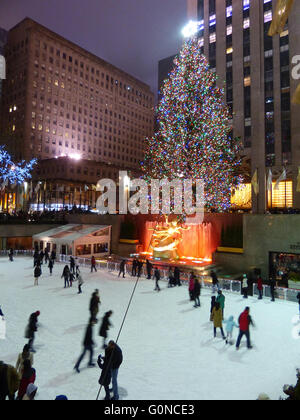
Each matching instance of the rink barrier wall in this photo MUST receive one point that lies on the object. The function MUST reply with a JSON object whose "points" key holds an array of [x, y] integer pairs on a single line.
{"points": [[233, 286]]}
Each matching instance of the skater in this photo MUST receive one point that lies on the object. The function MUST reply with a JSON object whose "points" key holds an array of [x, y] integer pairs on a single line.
{"points": [[41, 257], [217, 320], [11, 254], [72, 265], [221, 300], [157, 278], [25, 355], [88, 344], [116, 361], [149, 267], [134, 267], [105, 327], [53, 256], [9, 381], [230, 324], [77, 269], [80, 282], [272, 288], [212, 305], [32, 329], [260, 287], [215, 281], [46, 255], [37, 273], [71, 278], [171, 278], [50, 266], [36, 258], [66, 275], [122, 269], [93, 264], [245, 286], [140, 268], [94, 305], [196, 292], [177, 276], [244, 322], [104, 364], [191, 286], [28, 377]]}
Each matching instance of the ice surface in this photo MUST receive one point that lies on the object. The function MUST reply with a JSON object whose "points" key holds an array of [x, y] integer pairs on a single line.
{"points": [[168, 345]]}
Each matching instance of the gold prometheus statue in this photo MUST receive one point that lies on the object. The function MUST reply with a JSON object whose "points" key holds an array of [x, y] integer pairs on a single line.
{"points": [[166, 239]]}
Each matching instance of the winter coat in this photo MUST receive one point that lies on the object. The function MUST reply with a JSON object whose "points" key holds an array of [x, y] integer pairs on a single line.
{"points": [[259, 283], [80, 280], [27, 378], [105, 326], [245, 320], [230, 324], [217, 317], [197, 289], [88, 338], [93, 261], [221, 300], [117, 357], [245, 283], [9, 379], [214, 278], [157, 274], [191, 284], [37, 271], [32, 325], [20, 362], [94, 303], [105, 365]]}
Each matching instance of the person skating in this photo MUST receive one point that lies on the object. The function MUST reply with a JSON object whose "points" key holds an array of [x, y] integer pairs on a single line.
{"points": [[66, 275], [93, 264], [9, 381], [245, 286], [272, 288], [260, 287], [105, 326], [46, 255], [32, 329], [80, 282], [88, 345], [177, 276], [171, 278], [212, 305], [41, 257], [11, 254], [53, 256], [25, 355], [244, 323], [122, 269], [116, 361], [191, 286], [104, 364], [72, 265], [157, 278], [134, 267], [196, 292], [221, 300], [94, 305], [215, 281], [149, 267], [28, 377], [217, 317], [230, 324], [50, 266], [36, 258], [71, 278], [37, 272], [139, 268]]}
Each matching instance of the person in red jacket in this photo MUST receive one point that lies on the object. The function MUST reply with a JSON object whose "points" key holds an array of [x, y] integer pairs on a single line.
{"points": [[244, 322], [28, 377], [259, 287]]}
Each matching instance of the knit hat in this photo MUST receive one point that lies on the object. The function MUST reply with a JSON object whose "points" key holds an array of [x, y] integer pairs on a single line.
{"points": [[37, 313], [61, 397]]}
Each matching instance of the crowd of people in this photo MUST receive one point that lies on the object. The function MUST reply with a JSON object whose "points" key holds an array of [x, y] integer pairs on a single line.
{"points": [[18, 382]]}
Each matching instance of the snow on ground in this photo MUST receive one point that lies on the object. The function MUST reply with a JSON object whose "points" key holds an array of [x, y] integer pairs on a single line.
{"points": [[168, 345]]}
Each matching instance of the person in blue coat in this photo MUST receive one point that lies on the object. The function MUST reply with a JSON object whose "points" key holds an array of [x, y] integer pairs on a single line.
{"points": [[230, 324]]}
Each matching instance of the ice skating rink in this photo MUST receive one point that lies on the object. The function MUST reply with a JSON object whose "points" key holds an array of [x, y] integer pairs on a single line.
{"points": [[168, 346]]}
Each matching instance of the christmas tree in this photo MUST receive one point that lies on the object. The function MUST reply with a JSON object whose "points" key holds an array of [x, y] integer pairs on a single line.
{"points": [[193, 140], [13, 173]]}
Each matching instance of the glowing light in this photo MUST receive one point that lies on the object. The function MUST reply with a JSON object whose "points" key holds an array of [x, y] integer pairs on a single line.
{"points": [[75, 156], [191, 29]]}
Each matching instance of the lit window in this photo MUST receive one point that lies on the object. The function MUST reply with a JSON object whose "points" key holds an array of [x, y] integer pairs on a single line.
{"points": [[283, 196], [229, 50], [212, 38], [268, 16], [247, 81], [229, 30], [284, 33], [201, 42], [246, 23], [229, 11], [13, 128], [212, 20], [246, 4]]}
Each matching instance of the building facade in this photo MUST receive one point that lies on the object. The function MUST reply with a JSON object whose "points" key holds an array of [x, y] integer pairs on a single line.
{"points": [[255, 71], [60, 100]]}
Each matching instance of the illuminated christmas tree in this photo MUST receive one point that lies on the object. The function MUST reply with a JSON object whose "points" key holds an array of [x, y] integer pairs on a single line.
{"points": [[13, 173], [193, 140]]}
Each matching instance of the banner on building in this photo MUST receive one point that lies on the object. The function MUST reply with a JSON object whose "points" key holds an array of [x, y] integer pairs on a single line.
{"points": [[280, 17], [280, 179], [254, 182]]}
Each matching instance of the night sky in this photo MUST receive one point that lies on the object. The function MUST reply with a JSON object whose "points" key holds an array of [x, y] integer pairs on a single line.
{"points": [[130, 34]]}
